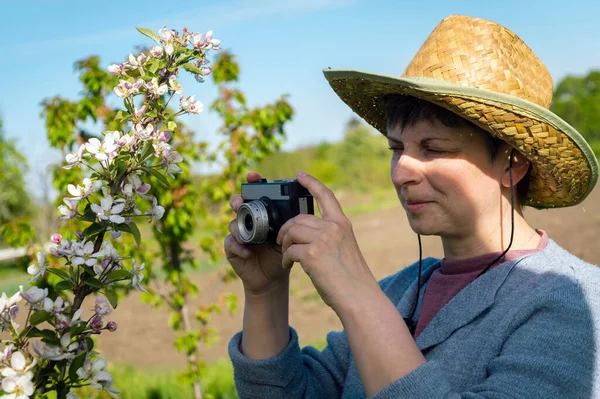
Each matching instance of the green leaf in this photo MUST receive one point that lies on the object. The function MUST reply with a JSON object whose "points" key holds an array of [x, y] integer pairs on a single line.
{"points": [[147, 150], [117, 275], [122, 116], [76, 365], [48, 335], [89, 271], [88, 214], [93, 282], [63, 285], [152, 65], [60, 273], [149, 33], [90, 343], [192, 68], [171, 125], [113, 298], [130, 228], [231, 302], [39, 317], [159, 176], [135, 232], [93, 229], [175, 321]]}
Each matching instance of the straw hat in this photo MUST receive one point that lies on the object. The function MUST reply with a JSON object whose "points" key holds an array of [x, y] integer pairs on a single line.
{"points": [[485, 73]]}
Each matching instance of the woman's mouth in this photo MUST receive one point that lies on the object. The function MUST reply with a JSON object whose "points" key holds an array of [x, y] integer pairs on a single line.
{"points": [[416, 206]]}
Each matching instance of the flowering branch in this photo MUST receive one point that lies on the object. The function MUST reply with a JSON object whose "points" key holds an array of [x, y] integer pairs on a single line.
{"points": [[63, 356]]}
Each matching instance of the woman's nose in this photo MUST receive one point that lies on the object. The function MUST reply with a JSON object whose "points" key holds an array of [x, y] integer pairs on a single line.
{"points": [[406, 170]]}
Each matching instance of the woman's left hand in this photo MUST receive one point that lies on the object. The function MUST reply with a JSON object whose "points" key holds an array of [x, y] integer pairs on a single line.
{"points": [[327, 250]]}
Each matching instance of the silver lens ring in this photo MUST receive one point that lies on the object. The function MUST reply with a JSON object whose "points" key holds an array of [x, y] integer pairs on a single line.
{"points": [[253, 222]]}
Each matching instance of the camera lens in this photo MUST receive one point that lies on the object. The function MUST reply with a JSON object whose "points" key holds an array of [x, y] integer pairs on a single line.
{"points": [[255, 219], [248, 222]]}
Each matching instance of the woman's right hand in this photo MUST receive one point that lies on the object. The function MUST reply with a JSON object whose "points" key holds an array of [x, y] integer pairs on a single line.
{"points": [[258, 266]]}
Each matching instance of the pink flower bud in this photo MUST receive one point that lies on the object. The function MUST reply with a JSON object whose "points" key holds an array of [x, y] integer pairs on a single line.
{"points": [[165, 136], [56, 238], [140, 112], [206, 71], [62, 325], [111, 326], [96, 323]]}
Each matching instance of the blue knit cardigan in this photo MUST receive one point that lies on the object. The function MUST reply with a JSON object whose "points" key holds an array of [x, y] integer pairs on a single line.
{"points": [[528, 328]]}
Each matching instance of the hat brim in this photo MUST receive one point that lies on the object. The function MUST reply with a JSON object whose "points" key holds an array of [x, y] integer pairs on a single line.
{"points": [[564, 168]]}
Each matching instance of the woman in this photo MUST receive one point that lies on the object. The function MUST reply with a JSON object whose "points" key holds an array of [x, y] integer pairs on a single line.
{"points": [[507, 313]]}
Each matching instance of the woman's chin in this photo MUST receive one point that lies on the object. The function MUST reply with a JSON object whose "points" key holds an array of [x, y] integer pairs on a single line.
{"points": [[424, 228]]}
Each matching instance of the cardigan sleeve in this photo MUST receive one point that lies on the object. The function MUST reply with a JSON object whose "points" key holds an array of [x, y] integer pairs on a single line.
{"points": [[295, 373], [550, 354]]}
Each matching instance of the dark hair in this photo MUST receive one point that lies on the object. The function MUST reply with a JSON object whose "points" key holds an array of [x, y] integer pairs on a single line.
{"points": [[405, 111]]}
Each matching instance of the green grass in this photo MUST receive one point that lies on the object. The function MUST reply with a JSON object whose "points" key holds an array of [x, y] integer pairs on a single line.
{"points": [[134, 383]]}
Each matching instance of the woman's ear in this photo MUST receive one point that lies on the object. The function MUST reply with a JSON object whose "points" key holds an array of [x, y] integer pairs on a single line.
{"points": [[520, 166]]}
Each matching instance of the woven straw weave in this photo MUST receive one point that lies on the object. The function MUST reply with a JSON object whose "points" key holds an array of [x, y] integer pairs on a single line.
{"points": [[481, 54]]}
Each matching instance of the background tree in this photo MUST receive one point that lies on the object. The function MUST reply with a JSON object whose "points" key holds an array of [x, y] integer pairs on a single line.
{"points": [[15, 203], [577, 100]]}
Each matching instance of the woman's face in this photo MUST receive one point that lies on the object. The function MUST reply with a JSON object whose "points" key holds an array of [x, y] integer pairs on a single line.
{"points": [[445, 178]]}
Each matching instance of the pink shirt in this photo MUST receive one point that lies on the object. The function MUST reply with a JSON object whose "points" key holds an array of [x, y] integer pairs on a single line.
{"points": [[453, 276]]}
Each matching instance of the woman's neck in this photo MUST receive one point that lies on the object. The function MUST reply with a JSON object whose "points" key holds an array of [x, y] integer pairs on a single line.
{"points": [[492, 237]]}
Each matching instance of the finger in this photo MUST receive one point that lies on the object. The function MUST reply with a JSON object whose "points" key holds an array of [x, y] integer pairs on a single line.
{"points": [[234, 248], [328, 205], [293, 254], [234, 231], [235, 202], [253, 177], [302, 219], [298, 234]]}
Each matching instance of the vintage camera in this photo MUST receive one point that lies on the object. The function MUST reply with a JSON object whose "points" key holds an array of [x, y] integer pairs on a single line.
{"points": [[267, 206]]}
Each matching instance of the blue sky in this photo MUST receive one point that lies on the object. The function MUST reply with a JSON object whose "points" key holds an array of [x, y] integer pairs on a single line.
{"points": [[282, 45]]}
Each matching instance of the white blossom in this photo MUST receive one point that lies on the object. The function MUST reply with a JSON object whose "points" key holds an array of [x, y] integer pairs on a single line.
{"points": [[174, 85], [167, 37], [143, 132], [170, 158], [156, 51], [116, 69], [63, 248], [9, 310], [95, 374], [137, 276], [18, 387], [75, 158], [70, 210], [188, 104], [137, 63], [102, 151], [107, 211], [82, 192], [102, 307], [84, 254], [18, 365], [33, 294], [51, 352], [56, 307], [154, 89], [38, 270], [127, 89]]}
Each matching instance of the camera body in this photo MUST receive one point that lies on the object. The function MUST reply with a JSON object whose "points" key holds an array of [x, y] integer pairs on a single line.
{"points": [[267, 206]]}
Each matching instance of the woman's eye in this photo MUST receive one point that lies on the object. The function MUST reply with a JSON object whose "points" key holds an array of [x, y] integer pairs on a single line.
{"points": [[435, 151]]}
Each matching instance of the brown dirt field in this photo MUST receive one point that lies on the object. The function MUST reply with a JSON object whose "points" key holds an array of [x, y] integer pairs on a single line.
{"points": [[145, 340]]}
